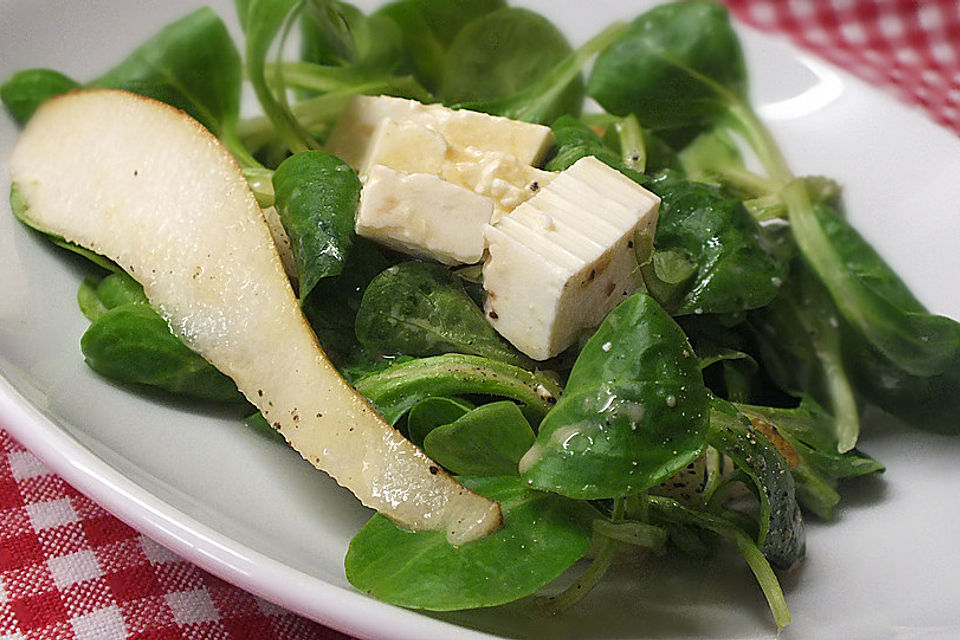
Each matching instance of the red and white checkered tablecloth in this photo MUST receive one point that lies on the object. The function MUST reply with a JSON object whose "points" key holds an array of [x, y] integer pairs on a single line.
{"points": [[71, 571]]}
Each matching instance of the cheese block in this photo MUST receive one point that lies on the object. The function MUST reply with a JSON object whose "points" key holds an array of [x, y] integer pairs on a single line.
{"points": [[422, 215], [353, 133], [559, 262], [424, 196]]}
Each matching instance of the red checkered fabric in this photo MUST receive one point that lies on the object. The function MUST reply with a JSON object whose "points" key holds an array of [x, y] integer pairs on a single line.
{"points": [[911, 47], [70, 571]]}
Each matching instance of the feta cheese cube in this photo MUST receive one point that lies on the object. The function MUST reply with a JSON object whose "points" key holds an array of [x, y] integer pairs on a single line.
{"points": [[563, 259], [422, 215], [414, 149], [353, 133]]}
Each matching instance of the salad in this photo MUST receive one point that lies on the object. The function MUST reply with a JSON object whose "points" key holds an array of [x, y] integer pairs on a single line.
{"points": [[714, 403]]}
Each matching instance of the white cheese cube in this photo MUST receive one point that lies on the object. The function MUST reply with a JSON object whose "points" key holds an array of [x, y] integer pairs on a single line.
{"points": [[422, 215], [565, 258], [494, 174], [352, 135], [416, 150], [405, 146]]}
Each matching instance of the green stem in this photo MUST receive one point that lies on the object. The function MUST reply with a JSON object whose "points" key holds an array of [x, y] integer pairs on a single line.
{"points": [[310, 76], [401, 386], [312, 114], [602, 561], [843, 400], [741, 118], [764, 574], [633, 153], [638, 534], [261, 183]]}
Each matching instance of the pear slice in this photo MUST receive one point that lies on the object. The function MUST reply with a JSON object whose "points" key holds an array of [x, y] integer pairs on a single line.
{"points": [[147, 186]]}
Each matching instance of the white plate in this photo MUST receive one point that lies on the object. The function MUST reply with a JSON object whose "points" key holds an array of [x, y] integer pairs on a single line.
{"points": [[255, 514]]}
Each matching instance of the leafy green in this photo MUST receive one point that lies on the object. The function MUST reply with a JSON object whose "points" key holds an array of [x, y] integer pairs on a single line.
{"points": [[500, 54], [799, 340], [781, 537], [326, 29], [90, 305], [673, 67], [428, 27], [543, 100], [331, 308], [811, 433], [633, 413], [395, 390], [346, 48], [422, 309], [574, 140], [701, 230], [317, 195], [679, 69], [193, 65], [128, 341], [542, 536], [869, 295], [26, 90], [433, 412], [96, 296], [131, 343], [487, 441], [904, 359]]}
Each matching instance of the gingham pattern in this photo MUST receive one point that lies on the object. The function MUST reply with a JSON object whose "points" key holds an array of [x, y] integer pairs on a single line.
{"points": [[70, 571], [911, 47]]}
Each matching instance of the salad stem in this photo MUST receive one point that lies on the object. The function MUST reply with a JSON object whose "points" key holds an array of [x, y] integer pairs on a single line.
{"points": [[602, 561]]}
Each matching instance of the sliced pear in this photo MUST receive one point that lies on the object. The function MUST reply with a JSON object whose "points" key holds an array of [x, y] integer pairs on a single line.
{"points": [[147, 186]]}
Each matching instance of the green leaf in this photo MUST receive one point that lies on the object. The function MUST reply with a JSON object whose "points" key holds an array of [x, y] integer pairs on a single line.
{"points": [[119, 288], [428, 27], [546, 98], [811, 433], [809, 429], [782, 536], [331, 308], [488, 441], [868, 294], [501, 53], [679, 64], [700, 226], [26, 90], [326, 32], [97, 296], [633, 413], [903, 359], [90, 305], [317, 195], [422, 309], [193, 65], [542, 536], [433, 412], [574, 140], [394, 391], [131, 343]]}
